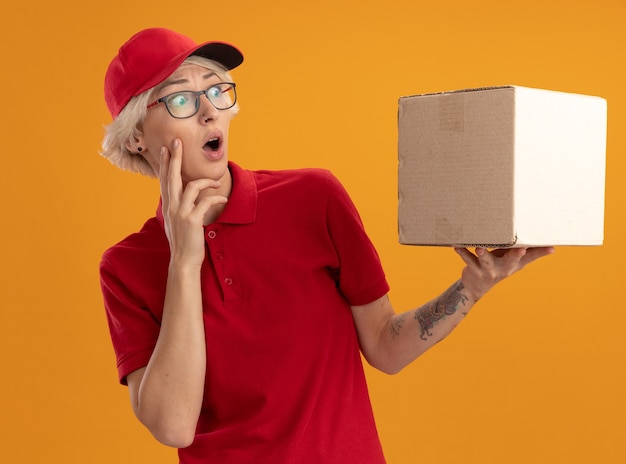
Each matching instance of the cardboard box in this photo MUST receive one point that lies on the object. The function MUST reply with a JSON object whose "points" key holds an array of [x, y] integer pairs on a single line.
{"points": [[502, 166]]}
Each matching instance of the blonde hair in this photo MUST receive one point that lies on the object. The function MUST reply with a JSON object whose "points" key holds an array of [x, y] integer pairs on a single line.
{"points": [[128, 125]]}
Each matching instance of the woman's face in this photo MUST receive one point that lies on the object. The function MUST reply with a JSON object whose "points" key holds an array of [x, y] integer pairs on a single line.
{"points": [[204, 135]]}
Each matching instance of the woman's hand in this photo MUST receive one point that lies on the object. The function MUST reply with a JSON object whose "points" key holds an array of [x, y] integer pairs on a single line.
{"points": [[184, 209], [167, 393], [486, 268]]}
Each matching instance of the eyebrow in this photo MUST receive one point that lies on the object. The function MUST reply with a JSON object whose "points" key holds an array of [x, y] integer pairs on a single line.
{"points": [[167, 83]]}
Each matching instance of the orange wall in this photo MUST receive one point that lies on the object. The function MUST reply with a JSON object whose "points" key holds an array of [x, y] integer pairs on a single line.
{"points": [[535, 374]]}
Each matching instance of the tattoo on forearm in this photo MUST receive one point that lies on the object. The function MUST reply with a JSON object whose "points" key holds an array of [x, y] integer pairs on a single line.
{"points": [[449, 303], [396, 325]]}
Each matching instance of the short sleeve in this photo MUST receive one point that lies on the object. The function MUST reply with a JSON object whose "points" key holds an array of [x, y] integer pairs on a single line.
{"points": [[361, 277], [133, 275]]}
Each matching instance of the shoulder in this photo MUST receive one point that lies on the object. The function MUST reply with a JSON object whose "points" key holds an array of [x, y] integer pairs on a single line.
{"points": [[263, 179], [306, 175], [149, 243], [298, 180]]}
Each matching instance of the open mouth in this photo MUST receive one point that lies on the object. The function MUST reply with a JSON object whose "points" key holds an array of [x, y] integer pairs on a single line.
{"points": [[213, 144]]}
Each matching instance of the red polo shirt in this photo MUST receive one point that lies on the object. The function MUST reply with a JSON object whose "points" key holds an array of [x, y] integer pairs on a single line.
{"points": [[284, 262]]}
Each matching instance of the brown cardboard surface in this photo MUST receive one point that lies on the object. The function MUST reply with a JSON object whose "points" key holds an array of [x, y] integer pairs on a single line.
{"points": [[464, 177]]}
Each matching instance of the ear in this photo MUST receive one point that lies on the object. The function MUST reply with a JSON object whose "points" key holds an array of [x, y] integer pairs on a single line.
{"points": [[135, 145]]}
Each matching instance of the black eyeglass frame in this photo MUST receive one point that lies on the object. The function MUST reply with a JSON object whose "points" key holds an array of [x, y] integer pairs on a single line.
{"points": [[197, 94]]}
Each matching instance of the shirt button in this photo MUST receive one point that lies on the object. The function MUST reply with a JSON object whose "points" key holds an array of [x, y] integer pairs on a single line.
{"points": [[219, 256], [228, 281], [212, 234]]}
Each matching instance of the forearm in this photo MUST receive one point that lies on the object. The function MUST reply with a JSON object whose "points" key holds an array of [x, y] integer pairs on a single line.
{"points": [[407, 335], [390, 341], [171, 391]]}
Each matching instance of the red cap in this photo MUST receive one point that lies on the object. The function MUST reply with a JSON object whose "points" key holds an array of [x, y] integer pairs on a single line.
{"points": [[150, 56]]}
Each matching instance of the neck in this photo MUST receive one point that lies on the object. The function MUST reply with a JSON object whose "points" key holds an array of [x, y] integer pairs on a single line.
{"points": [[226, 186]]}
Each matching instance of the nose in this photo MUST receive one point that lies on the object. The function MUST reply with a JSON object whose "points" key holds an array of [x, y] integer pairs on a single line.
{"points": [[207, 111]]}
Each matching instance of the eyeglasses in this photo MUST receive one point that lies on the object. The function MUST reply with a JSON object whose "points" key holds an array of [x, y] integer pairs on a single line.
{"points": [[185, 104]]}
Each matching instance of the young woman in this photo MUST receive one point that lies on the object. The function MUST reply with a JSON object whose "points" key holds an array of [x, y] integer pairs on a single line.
{"points": [[239, 312]]}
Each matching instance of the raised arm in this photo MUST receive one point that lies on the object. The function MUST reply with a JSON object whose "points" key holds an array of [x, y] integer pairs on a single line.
{"points": [[167, 394], [391, 341]]}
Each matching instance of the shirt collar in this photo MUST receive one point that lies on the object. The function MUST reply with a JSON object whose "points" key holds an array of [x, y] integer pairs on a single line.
{"points": [[242, 203]]}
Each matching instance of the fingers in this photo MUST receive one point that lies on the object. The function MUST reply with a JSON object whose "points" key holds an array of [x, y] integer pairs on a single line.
{"points": [[180, 198], [206, 203], [511, 259], [485, 268], [163, 175], [500, 263], [467, 256], [173, 191], [189, 198], [533, 254], [486, 258], [174, 178]]}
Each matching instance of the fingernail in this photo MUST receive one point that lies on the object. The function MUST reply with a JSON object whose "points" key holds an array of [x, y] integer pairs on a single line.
{"points": [[176, 143], [162, 151]]}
